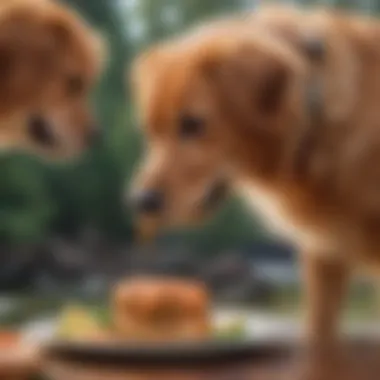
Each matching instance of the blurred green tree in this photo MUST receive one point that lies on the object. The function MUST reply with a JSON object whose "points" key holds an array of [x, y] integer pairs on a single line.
{"points": [[37, 200], [26, 205]]}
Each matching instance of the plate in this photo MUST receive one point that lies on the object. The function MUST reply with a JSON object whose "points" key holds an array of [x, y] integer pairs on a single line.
{"points": [[183, 354]]}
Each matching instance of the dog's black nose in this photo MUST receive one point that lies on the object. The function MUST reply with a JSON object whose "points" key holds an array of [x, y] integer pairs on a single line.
{"points": [[148, 202], [40, 131]]}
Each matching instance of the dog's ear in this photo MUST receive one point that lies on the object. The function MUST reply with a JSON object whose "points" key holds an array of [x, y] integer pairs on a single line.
{"points": [[12, 35], [251, 80], [17, 42], [24, 38], [28, 49]]}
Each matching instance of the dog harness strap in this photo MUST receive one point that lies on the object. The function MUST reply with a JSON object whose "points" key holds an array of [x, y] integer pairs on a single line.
{"points": [[314, 50]]}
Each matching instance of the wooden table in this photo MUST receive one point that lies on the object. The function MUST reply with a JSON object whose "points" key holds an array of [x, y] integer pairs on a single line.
{"points": [[242, 371], [361, 363], [357, 364]]}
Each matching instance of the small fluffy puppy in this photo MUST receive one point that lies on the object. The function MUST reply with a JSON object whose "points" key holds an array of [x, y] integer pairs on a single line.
{"points": [[283, 105], [49, 62]]}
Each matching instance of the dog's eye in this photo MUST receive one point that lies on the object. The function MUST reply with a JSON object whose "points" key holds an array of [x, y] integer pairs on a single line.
{"points": [[75, 85], [191, 126]]}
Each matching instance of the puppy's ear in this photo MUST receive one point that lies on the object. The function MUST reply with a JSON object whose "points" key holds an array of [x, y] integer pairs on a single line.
{"points": [[23, 37], [28, 46], [64, 29], [17, 51], [251, 80], [12, 32]]}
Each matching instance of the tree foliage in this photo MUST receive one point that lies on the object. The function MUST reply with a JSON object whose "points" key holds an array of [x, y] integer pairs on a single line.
{"points": [[38, 200]]}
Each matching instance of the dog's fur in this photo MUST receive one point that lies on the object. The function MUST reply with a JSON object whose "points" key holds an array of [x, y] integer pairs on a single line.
{"points": [[49, 61], [315, 177]]}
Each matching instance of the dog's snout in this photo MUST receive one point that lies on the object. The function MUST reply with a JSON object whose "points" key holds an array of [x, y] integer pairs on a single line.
{"points": [[148, 202]]}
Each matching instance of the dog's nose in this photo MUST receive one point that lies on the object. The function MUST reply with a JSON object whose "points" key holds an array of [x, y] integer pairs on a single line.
{"points": [[148, 202], [40, 131]]}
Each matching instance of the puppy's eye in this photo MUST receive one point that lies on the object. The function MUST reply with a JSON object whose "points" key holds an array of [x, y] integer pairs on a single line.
{"points": [[75, 85], [191, 126]]}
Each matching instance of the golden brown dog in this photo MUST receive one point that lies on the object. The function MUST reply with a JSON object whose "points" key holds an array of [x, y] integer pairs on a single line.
{"points": [[49, 61], [284, 106]]}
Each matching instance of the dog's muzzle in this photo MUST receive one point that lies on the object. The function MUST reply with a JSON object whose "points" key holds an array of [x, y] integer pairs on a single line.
{"points": [[215, 196]]}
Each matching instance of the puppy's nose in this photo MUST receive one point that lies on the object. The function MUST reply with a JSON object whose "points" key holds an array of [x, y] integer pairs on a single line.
{"points": [[148, 202], [40, 131]]}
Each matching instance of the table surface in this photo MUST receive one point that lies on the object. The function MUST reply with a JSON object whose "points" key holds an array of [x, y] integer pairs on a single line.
{"points": [[354, 365], [360, 364]]}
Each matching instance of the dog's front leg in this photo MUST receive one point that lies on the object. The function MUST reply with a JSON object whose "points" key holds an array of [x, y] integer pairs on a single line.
{"points": [[326, 282]]}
